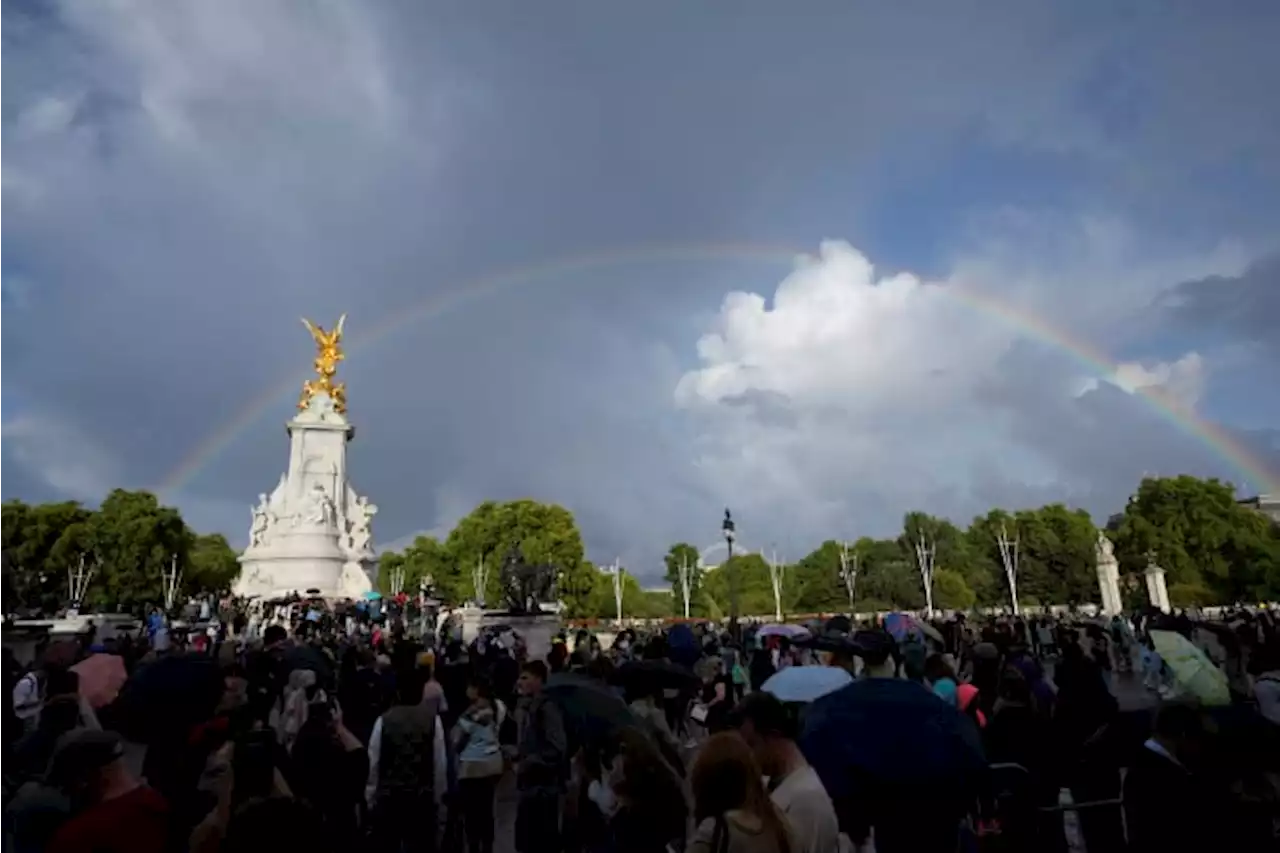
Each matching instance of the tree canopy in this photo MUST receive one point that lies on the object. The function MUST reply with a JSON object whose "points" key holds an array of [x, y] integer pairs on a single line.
{"points": [[1214, 549], [127, 543]]}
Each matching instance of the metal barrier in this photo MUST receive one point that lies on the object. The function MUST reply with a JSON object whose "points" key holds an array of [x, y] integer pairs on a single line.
{"points": [[1018, 775]]}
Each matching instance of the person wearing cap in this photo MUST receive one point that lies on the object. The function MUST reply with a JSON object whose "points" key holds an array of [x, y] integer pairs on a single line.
{"points": [[118, 811], [770, 728]]}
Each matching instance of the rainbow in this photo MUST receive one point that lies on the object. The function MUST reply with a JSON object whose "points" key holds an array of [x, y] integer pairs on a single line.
{"points": [[1220, 442]]}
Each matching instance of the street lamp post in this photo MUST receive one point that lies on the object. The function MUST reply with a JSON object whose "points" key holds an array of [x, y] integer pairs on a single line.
{"points": [[730, 532]]}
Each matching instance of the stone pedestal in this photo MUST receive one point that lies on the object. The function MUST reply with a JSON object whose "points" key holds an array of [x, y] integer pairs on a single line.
{"points": [[1108, 578], [1157, 591], [1109, 589], [536, 630], [313, 531]]}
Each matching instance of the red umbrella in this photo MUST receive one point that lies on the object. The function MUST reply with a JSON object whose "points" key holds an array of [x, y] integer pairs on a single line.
{"points": [[101, 677]]}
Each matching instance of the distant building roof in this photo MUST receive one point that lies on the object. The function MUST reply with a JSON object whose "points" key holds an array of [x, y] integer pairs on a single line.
{"points": [[1268, 505]]}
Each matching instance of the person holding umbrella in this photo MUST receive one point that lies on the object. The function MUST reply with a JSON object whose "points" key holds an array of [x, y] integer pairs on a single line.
{"points": [[895, 758]]}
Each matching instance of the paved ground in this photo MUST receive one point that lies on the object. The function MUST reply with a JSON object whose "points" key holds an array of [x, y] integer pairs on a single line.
{"points": [[505, 829]]}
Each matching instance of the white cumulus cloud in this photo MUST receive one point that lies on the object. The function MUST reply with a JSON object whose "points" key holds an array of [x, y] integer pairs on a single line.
{"points": [[850, 395], [835, 334], [1181, 382]]}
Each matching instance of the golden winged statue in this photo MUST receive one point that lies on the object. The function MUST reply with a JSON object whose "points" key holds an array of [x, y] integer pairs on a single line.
{"points": [[328, 354]]}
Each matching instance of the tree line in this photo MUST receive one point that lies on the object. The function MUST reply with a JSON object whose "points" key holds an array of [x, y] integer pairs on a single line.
{"points": [[125, 546], [1213, 549]]}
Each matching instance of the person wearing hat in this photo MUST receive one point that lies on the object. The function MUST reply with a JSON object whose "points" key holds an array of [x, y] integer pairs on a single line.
{"points": [[117, 810]]}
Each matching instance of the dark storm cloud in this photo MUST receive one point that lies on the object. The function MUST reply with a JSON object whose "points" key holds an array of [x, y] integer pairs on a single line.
{"points": [[1242, 308], [183, 180]]}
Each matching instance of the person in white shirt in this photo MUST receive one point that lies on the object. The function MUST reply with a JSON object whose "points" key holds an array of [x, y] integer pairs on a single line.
{"points": [[769, 728]]}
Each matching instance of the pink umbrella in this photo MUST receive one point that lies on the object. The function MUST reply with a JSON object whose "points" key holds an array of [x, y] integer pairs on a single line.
{"points": [[101, 677]]}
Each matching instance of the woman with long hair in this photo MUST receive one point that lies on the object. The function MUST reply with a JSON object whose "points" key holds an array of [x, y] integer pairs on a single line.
{"points": [[731, 807], [640, 797]]}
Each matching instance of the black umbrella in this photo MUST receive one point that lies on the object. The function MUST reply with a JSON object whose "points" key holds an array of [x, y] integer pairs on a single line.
{"points": [[892, 737], [312, 658], [839, 625], [829, 642], [655, 674], [169, 694], [592, 710]]}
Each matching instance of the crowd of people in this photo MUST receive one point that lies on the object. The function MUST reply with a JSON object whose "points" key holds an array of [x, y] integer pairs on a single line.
{"points": [[347, 727]]}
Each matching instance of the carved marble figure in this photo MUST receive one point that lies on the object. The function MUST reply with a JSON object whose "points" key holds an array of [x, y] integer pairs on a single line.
{"points": [[261, 522], [320, 509], [362, 518], [1104, 550]]}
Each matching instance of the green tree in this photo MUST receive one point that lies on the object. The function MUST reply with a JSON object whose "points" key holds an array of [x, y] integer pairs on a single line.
{"points": [[983, 537], [546, 533], [389, 562], [887, 577], [636, 602], [37, 574], [951, 551], [1201, 537], [211, 565], [951, 592], [578, 587], [686, 554], [130, 542], [1068, 558], [755, 590], [818, 585], [426, 557]]}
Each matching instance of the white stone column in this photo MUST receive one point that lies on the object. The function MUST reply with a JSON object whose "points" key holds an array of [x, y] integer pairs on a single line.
{"points": [[1108, 576], [1109, 588], [1157, 591]]}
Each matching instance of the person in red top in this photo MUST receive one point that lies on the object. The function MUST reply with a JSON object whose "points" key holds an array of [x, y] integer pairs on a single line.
{"points": [[118, 812]]}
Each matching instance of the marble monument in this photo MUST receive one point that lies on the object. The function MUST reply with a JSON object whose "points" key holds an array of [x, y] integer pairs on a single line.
{"points": [[313, 531], [1108, 576], [1157, 590]]}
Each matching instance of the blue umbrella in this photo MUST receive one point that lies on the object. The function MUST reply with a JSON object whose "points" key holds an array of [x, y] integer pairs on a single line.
{"points": [[806, 683], [887, 737], [901, 626], [372, 595], [682, 646]]}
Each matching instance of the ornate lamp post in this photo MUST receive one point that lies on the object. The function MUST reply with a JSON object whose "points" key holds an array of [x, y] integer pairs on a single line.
{"points": [[730, 532]]}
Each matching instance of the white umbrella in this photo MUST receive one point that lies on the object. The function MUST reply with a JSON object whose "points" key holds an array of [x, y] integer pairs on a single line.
{"points": [[806, 683]]}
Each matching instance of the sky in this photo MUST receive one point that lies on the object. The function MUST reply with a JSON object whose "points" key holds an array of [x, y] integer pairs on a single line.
{"points": [[821, 262]]}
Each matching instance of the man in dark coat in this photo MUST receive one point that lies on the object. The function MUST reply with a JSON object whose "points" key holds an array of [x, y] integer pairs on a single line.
{"points": [[1167, 805]]}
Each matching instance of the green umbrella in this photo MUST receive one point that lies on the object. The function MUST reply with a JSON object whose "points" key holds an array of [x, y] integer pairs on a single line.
{"points": [[1193, 672]]}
